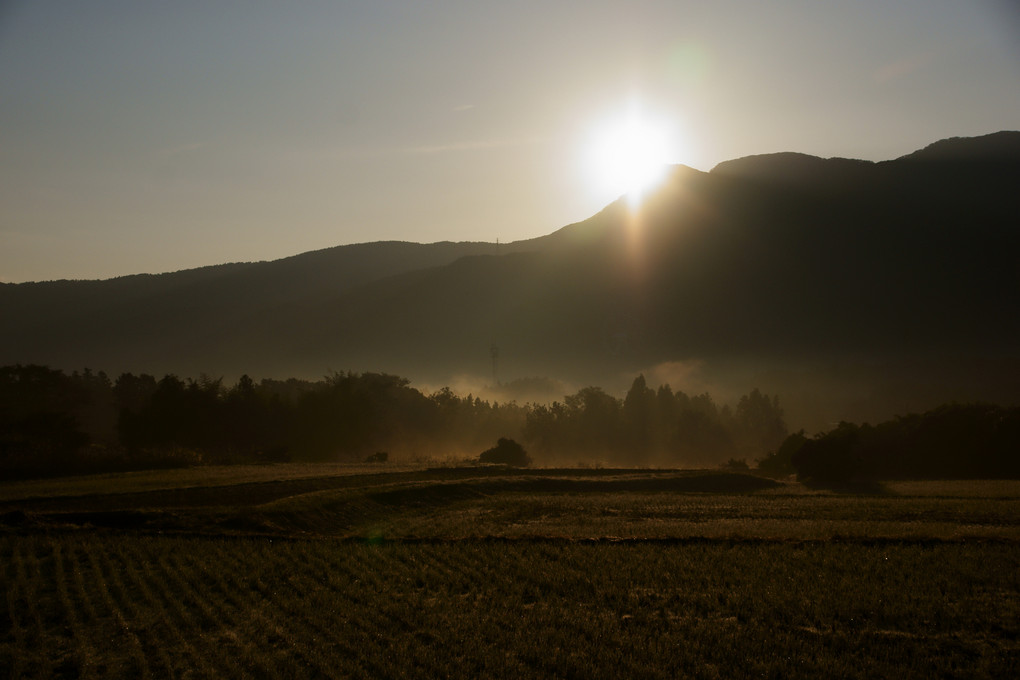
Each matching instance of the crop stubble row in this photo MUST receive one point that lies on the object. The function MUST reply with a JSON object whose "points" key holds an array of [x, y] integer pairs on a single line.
{"points": [[95, 606]]}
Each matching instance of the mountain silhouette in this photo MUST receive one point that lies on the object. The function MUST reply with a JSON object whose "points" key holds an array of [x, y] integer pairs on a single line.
{"points": [[892, 283]]}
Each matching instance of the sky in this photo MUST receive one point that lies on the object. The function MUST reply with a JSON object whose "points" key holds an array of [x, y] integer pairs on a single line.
{"points": [[150, 136]]}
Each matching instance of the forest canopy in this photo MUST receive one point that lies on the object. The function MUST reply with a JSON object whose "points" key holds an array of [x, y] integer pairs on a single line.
{"points": [[52, 423], [55, 423]]}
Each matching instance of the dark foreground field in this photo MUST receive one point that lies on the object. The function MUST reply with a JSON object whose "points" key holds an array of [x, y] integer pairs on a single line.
{"points": [[329, 572]]}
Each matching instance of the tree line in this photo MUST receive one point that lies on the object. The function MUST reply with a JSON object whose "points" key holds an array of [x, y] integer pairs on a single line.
{"points": [[655, 427], [953, 441], [55, 423], [52, 422]]}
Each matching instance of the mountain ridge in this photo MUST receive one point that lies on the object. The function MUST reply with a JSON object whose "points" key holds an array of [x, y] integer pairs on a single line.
{"points": [[781, 262]]}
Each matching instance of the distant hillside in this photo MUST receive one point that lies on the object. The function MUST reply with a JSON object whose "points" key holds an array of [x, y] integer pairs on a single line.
{"points": [[894, 282], [156, 322], [997, 147]]}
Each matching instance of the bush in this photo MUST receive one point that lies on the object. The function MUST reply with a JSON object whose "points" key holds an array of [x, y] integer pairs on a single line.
{"points": [[834, 458], [779, 463], [506, 452]]}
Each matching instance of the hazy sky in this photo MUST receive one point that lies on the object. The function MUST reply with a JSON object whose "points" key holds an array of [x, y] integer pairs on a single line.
{"points": [[149, 136]]}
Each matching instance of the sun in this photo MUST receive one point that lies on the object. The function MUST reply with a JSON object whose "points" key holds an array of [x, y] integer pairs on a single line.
{"points": [[629, 153]]}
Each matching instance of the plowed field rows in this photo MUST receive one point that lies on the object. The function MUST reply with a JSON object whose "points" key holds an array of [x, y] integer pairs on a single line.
{"points": [[499, 579], [118, 606]]}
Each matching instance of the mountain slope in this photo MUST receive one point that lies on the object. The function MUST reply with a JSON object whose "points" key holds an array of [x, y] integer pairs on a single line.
{"points": [[905, 268], [137, 320]]}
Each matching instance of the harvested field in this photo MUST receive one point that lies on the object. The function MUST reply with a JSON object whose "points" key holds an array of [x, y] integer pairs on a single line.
{"points": [[497, 573]]}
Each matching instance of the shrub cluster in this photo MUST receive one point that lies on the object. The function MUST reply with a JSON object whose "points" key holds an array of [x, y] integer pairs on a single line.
{"points": [[506, 452]]}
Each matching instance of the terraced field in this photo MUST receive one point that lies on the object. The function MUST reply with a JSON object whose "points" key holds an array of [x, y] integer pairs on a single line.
{"points": [[494, 573]]}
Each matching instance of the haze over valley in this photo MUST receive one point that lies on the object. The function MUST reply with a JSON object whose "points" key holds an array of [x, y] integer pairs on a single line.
{"points": [[852, 289]]}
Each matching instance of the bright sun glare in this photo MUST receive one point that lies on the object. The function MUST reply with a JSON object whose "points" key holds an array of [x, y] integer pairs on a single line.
{"points": [[629, 154]]}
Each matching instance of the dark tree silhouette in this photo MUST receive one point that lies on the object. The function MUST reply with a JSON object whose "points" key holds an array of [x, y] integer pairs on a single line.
{"points": [[640, 419], [506, 452], [759, 421], [954, 441], [39, 428], [780, 462]]}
